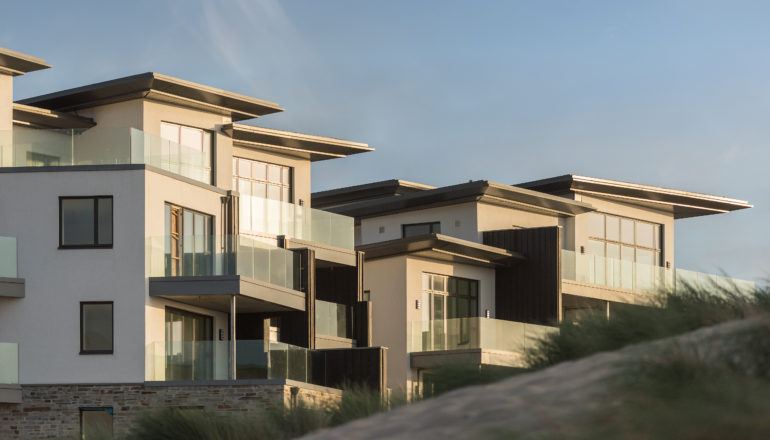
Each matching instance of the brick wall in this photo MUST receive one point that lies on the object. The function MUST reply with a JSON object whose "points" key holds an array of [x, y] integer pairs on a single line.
{"points": [[53, 411]]}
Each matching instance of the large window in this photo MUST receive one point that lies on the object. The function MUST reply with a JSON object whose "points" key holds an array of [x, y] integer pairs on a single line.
{"points": [[96, 335], [262, 179], [189, 242], [448, 298], [630, 250], [85, 222], [96, 423], [188, 149], [189, 346], [413, 229]]}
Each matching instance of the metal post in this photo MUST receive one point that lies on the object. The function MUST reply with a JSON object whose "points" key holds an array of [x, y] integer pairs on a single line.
{"points": [[233, 363]]}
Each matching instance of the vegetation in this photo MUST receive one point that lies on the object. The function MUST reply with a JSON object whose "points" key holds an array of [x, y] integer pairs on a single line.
{"points": [[686, 310]]}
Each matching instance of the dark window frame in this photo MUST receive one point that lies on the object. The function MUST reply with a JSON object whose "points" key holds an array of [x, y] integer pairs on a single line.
{"points": [[112, 321], [429, 224], [107, 409], [96, 244]]}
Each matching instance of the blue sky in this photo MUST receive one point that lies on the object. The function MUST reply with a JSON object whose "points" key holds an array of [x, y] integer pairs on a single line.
{"points": [[667, 93]]}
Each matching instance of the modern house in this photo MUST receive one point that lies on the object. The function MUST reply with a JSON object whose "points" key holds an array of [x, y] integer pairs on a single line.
{"points": [[156, 250], [475, 273]]}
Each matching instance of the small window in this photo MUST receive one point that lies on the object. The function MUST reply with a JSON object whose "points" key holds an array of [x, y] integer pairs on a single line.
{"points": [[414, 229], [96, 327], [95, 423], [85, 222]]}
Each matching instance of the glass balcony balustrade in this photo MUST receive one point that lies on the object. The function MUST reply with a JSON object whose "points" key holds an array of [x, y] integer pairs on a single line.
{"points": [[9, 363], [210, 360], [168, 256], [332, 319], [8, 258], [474, 333], [641, 278], [31, 147], [263, 216]]}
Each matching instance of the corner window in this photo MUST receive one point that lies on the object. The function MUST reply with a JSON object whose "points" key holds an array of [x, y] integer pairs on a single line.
{"points": [[96, 327], [414, 229], [85, 222], [96, 423]]}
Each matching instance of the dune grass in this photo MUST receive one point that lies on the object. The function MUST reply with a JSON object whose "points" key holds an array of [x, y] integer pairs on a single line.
{"points": [[672, 314]]}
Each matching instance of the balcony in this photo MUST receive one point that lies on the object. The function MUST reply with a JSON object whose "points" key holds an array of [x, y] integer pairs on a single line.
{"points": [[208, 270], [333, 232], [629, 276], [11, 286], [210, 360], [333, 325], [30, 147], [10, 392], [481, 341]]}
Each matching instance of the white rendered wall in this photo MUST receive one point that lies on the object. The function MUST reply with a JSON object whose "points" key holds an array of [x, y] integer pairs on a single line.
{"points": [[46, 323], [456, 220]]}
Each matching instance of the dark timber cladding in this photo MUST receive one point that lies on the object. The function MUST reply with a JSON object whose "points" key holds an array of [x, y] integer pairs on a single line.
{"points": [[528, 291], [338, 367], [298, 328]]}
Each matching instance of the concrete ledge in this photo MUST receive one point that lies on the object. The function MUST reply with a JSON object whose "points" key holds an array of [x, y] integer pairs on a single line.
{"points": [[243, 382], [605, 293], [324, 252], [10, 394], [467, 356], [12, 287]]}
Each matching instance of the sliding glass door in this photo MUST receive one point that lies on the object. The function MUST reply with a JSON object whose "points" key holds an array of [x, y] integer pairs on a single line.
{"points": [[189, 346]]}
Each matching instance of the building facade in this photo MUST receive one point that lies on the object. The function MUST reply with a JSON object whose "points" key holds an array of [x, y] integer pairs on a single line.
{"points": [[154, 246], [476, 273]]}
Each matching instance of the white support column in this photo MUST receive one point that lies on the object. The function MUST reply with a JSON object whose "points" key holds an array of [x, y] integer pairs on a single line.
{"points": [[233, 363]]}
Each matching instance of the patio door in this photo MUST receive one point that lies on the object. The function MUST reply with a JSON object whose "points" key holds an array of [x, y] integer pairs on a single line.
{"points": [[189, 242], [189, 346]]}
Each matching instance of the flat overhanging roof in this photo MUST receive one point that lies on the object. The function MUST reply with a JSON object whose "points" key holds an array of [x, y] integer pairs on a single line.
{"points": [[306, 146], [17, 63], [683, 204], [158, 87], [479, 190], [41, 117], [366, 191], [441, 247]]}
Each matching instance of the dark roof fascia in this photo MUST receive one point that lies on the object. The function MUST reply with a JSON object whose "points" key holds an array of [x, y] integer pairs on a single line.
{"points": [[157, 86], [366, 191], [475, 253], [303, 145], [684, 204], [41, 117], [465, 192]]}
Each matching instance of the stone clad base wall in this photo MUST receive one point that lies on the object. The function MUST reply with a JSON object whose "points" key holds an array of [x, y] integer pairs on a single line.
{"points": [[53, 411]]}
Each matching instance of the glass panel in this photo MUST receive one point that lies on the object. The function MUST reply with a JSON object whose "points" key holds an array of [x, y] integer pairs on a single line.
{"points": [[613, 265], [192, 138], [244, 168], [645, 235], [645, 267], [439, 283], [169, 132], [9, 363], [8, 258], [105, 221], [627, 267], [627, 231], [613, 228], [274, 173], [77, 222], [285, 179], [274, 192], [259, 170], [96, 324], [656, 236], [414, 230], [595, 225], [595, 248]]}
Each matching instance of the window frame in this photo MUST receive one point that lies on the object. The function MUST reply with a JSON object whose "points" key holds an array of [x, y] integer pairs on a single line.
{"points": [[266, 181], [112, 321], [430, 225], [658, 251], [95, 244]]}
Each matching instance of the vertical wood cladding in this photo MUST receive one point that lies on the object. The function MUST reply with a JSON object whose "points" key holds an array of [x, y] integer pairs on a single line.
{"points": [[343, 366], [528, 291], [298, 328]]}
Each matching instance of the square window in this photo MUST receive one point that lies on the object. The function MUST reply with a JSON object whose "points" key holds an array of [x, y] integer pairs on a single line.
{"points": [[85, 222], [96, 327], [96, 423]]}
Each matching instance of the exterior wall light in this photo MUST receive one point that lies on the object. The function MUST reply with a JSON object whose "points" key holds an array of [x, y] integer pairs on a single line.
{"points": [[487, 313], [417, 304]]}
